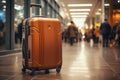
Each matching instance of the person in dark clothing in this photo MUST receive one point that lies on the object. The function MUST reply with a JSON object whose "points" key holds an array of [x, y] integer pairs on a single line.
{"points": [[105, 30], [93, 35], [65, 35], [114, 29], [1, 32], [1, 25], [113, 34], [80, 36], [20, 31], [117, 34]]}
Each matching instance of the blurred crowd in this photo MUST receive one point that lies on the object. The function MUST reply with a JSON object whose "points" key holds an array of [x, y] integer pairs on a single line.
{"points": [[105, 34]]}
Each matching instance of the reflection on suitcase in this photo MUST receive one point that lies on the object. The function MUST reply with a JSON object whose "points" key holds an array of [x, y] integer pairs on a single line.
{"points": [[42, 47]]}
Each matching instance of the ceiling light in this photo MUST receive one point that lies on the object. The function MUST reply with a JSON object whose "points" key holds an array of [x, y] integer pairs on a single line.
{"points": [[98, 13], [99, 9], [4, 7], [118, 1], [79, 10], [18, 7], [78, 5], [107, 4], [63, 4], [3, 1], [79, 16], [79, 13]]}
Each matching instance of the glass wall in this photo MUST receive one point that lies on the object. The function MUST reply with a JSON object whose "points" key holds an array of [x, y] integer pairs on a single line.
{"points": [[48, 12], [18, 17], [11, 15], [44, 8], [2, 24]]}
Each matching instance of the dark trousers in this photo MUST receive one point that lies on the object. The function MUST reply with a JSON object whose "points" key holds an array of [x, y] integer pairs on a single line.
{"points": [[105, 39], [16, 37], [96, 40], [71, 40]]}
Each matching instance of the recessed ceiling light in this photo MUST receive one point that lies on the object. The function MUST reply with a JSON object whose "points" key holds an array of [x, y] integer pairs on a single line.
{"points": [[118, 1], [78, 5], [80, 13], [78, 16], [98, 13], [79, 10], [99, 9], [3, 1], [107, 4]]}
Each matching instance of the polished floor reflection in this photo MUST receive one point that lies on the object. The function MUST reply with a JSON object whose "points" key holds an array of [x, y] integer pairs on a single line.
{"points": [[82, 61]]}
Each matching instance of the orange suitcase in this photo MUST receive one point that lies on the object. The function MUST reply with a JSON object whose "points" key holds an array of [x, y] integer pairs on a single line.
{"points": [[42, 44]]}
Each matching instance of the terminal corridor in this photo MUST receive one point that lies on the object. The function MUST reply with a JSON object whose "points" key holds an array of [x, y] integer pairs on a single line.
{"points": [[82, 61]]}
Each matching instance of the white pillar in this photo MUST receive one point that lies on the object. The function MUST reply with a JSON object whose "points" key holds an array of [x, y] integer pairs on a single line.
{"points": [[91, 25], [103, 13]]}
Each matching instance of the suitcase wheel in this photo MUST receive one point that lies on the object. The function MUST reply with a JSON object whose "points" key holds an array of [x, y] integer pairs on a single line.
{"points": [[58, 69], [47, 71], [23, 69], [32, 73]]}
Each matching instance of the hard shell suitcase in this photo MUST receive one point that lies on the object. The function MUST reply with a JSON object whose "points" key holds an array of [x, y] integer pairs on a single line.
{"points": [[42, 45]]}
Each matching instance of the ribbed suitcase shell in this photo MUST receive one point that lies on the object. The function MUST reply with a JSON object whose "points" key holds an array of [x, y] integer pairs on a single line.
{"points": [[44, 43]]}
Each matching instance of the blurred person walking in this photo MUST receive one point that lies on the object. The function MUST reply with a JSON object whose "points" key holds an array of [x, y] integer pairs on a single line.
{"points": [[97, 34], [105, 30], [117, 33], [20, 31], [1, 32], [65, 35], [114, 28], [72, 31]]}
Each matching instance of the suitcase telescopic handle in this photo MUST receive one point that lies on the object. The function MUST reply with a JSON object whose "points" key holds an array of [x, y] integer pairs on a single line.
{"points": [[35, 5]]}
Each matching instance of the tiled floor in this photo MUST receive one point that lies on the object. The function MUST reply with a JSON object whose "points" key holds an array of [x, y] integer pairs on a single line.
{"points": [[82, 61]]}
